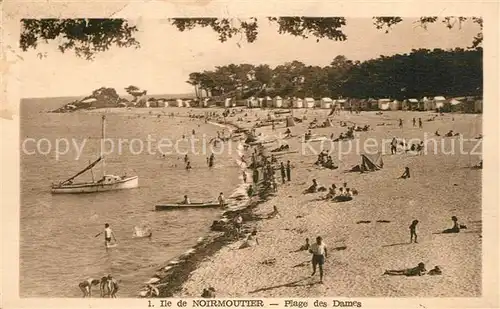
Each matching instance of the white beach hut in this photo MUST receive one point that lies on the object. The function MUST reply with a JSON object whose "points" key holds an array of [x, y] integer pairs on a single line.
{"points": [[261, 102], [309, 102], [395, 105], [326, 103], [278, 102], [227, 102], [384, 104], [439, 102], [179, 103], [187, 103], [298, 103]]}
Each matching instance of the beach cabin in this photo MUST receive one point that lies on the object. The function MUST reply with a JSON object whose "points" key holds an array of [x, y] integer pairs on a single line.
{"points": [[178, 103], [478, 106], [341, 103], [252, 102], [409, 104], [455, 104], [326, 103], [278, 102], [395, 105], [187, 103], [427, 104], [268, 102], [162, 103], [438, 102], [309, 102], [384, 104], [205, 102], [227, 102], [261, 102], [298, 103]]}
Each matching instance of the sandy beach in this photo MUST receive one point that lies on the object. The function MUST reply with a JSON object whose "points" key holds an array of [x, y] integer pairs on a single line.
{"points": [[360, 252]]}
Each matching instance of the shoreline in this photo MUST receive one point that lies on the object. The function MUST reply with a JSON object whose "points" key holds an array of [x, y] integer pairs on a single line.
{"points": [[176, 272]]}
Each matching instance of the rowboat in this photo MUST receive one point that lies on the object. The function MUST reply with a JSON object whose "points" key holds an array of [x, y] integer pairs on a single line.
{"points": [[105, 183], [191, 205]]}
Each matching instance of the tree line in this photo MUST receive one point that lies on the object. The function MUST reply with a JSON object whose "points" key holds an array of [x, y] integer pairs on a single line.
{"points": [[422, 72]]}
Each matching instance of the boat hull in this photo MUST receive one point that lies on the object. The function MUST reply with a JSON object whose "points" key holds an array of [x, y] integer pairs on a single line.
{"points": [[187, 206], [125, 183]]}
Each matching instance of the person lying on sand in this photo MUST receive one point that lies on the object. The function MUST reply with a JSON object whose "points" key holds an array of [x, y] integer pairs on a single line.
{"points": [[406, 173], [208, 293], [86, 286], [313, 188], [250, 241], [437, 133], [409, 272], [305, 246], [449, 134]]}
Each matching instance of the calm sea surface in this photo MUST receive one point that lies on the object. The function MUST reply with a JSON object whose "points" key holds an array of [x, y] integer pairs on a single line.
{"points": [[58, 248]]}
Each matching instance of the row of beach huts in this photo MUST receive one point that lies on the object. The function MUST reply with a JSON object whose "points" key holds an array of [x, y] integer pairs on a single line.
{"points": [[468, 104], [465, 104]]}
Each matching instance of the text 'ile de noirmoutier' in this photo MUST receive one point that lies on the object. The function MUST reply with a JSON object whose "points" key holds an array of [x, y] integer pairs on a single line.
{"points": [[234, 303]]}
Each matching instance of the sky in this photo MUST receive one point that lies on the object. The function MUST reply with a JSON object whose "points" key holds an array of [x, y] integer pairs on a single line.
{"points": [[166, 57]]}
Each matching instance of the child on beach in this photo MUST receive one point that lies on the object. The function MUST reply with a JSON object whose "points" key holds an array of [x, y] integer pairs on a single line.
{"points": [[319, 253], [413, 231]]}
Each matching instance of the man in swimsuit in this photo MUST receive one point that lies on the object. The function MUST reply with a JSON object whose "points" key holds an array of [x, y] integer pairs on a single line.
{"points": [[108, 233], [86, 286], [319, 253], [409, 272]]}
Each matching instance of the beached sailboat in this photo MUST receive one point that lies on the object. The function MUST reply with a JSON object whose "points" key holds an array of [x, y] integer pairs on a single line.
{"points": [[106, 183]]}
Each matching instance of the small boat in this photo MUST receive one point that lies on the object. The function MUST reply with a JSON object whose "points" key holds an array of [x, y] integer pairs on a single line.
{"points": [[191, 205], [106, 183]]}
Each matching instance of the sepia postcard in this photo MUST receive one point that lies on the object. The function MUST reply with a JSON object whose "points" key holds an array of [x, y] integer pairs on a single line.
{"points": [[207, 154]]}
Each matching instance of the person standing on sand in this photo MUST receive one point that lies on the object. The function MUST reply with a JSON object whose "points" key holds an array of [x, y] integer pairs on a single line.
{"points": [[244, 174], [319, 252], [413, 231], [288, 171], [283, 172], [420, 123], [400, 123], [414, 122]]}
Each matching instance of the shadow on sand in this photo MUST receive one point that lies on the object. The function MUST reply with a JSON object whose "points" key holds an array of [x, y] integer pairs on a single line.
{"points": [[398, 244], [286, 285]]}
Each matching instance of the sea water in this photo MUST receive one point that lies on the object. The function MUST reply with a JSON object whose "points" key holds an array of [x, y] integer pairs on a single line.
{"points": [[57, 245]]}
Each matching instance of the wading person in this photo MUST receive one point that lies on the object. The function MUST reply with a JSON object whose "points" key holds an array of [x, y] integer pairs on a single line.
{"points": [[86, 286], [108, 234], [319, 253]]}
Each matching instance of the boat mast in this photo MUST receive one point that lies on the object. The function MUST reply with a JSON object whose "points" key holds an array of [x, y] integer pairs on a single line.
{"points": [[102, 144]]}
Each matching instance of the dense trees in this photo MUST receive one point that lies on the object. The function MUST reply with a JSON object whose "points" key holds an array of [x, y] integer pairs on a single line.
{"points": [[89, 36], [420, 73]]}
